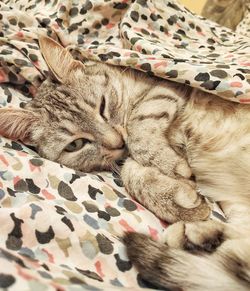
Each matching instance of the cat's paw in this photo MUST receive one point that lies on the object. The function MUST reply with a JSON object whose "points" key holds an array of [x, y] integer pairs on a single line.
{"points": [[196, 236], [198, 213], [182, 168], [186, 195], [189, 204]]}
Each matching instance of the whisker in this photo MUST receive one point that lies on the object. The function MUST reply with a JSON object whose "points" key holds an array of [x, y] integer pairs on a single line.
{"points": [[113, 167], [125, 69], [116, 169]]}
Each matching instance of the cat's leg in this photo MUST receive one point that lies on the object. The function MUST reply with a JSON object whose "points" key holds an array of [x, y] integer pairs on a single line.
{"points": [[170, 199], [148, 145]]}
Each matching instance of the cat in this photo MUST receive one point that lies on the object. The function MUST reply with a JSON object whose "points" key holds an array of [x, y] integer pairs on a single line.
{"points": [[88, 115]]}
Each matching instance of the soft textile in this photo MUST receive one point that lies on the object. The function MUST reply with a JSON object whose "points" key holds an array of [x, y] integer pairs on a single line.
{"points": [[60, 229], [160, 37]]}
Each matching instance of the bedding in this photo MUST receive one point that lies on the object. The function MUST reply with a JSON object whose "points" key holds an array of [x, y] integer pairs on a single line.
{"points": [[61, 229]]}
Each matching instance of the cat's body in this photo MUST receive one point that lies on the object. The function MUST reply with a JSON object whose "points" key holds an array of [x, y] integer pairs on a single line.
{"points": [[85, 119], [216, 135]]}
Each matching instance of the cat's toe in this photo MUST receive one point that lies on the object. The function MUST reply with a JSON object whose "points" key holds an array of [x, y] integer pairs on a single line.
{"points": [[174, 235], [198, 213], [187, 197]]}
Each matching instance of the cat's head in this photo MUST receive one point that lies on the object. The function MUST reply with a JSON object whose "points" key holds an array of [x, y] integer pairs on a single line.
{"points": [[73, 118]]}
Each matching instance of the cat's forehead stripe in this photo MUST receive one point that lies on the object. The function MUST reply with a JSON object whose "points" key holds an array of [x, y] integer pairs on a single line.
{"points": [[67, 91], [51, 115], [65, 130]]}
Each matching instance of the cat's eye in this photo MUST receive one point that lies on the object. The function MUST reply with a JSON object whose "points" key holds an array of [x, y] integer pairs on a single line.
{"points": [[102, 108], [76, 145]]}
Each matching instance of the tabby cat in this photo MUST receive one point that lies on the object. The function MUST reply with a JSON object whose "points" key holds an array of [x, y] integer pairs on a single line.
{"points": [[88, 115]]}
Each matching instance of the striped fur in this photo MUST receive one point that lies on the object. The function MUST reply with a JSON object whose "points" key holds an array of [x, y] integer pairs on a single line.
{"points": [[171, 132]]}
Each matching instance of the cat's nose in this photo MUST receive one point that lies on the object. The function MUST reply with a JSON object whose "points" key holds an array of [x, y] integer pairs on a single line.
{"points": [[111, 138], [122, 131], [115, 144], [122, 146]]}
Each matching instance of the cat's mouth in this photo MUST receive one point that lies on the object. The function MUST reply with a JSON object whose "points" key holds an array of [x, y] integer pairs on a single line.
{"points": [[113, 157]]}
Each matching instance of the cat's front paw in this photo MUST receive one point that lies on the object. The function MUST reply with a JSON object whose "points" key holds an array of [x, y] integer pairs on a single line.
{"points": [[198, 213], [182, 168], [170, 199], [189, 204], [195, 236]]}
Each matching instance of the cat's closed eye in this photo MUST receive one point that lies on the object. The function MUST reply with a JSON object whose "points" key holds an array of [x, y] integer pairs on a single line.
{"points": [[102, 108], [76, 145]]}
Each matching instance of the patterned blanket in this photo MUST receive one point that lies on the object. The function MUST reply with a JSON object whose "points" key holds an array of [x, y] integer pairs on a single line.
{"points": [[60, 229]]}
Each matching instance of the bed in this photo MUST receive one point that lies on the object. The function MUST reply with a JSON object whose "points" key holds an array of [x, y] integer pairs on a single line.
{"points": [[61, 229]]}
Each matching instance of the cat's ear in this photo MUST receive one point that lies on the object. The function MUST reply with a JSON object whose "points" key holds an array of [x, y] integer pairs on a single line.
{"points": [[16, 124], [59, 60]]}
